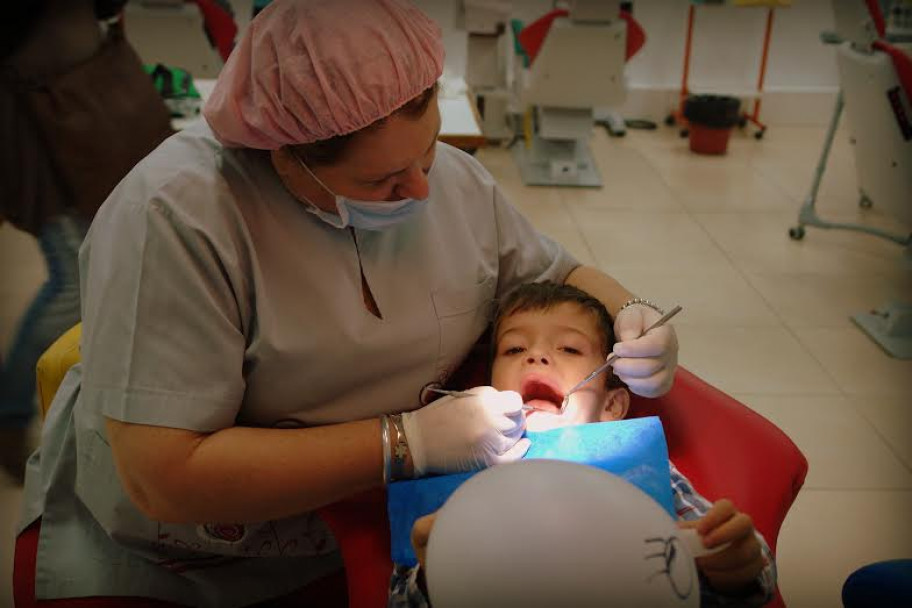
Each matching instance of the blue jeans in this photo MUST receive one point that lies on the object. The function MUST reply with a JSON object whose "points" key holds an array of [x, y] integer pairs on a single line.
{"points": [[53, 311]]}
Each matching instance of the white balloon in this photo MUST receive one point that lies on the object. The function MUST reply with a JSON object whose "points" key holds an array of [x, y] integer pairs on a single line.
{"points": [[551, 533]]}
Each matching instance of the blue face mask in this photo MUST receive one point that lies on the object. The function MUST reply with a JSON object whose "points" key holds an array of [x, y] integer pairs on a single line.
{"points": [[367, 215]]}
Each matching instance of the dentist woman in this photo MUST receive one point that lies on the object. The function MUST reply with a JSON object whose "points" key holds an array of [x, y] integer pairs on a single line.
{"points": [[264, 297]]}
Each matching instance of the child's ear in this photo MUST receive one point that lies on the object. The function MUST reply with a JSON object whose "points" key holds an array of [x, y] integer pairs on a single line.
{"points": [[617, 402]]}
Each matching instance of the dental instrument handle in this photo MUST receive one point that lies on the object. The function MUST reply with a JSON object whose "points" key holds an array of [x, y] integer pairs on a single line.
{"points": [[598, 370], [442, 391], [609, 360]]}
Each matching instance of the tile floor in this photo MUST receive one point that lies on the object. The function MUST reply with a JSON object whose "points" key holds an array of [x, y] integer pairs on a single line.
{"points": [[766, 319]]}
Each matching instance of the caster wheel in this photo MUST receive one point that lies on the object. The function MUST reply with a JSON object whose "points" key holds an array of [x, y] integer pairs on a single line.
{"points": [[759, 134], [865, 203], [684, 133], [670, 120], [742, 123], [797, 233]]}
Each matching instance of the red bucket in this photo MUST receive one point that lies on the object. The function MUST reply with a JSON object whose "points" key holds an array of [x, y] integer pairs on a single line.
{"points": [[708, 140]]}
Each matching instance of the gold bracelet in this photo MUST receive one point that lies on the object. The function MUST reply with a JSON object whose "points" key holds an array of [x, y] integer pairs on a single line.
{"points": [[644, 302]]}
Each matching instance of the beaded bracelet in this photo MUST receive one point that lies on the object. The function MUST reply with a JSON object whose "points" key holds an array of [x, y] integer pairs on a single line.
{"points": [[400, 449], [644, 302]]}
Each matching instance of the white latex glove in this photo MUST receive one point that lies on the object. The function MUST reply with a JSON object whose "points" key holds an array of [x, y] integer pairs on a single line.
{"points": [[647, 364], [458, 434]]}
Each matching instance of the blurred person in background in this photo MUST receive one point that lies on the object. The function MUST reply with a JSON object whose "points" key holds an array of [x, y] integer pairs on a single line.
{"points": [[68, 83]]}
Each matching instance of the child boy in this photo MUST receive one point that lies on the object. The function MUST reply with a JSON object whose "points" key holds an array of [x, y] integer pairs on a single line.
{"points": [[548, 337]]}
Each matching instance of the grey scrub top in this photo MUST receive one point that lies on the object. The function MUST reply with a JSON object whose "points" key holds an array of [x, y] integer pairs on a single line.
{"points": [[211, 298]]}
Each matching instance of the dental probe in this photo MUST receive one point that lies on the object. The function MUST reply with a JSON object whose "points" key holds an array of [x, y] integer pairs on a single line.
{"points": [[610, 359]]}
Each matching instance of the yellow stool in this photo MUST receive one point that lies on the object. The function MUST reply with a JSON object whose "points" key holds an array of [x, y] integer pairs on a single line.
{"points": [[54, 364]]}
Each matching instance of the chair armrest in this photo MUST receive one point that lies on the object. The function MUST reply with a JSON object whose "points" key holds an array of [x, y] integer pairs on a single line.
{"points": [[361, 527], [729, 451]]}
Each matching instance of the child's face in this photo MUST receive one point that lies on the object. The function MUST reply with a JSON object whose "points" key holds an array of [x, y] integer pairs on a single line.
{"points": [[541, 354]]}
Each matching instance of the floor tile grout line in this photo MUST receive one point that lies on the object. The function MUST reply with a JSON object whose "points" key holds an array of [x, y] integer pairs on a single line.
{"points": [[799, 200], [816, 394], [630, 210], [803, 197], [579, 230], [806, 488], [743, 397], [880, 435], [743, 274]]}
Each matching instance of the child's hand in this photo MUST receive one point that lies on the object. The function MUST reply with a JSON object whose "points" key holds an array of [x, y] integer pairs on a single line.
{"points": [[735, 568]]}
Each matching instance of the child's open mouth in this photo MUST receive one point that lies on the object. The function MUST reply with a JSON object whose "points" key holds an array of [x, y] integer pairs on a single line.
{"points": [[541, 393]]}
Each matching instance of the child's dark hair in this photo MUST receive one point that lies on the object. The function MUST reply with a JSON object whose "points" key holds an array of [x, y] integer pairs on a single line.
{"points": [[546, 295]]}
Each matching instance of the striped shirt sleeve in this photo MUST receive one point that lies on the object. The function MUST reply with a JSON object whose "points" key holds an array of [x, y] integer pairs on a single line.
{"points": [[690, 506]]}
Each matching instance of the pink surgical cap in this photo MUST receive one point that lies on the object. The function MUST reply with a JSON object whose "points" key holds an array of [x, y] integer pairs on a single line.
{"points": [[308, 70]]}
